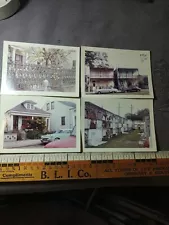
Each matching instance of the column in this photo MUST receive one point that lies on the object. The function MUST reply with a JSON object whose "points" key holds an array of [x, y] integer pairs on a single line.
{"points": [[13, 54], [48, 123], [19, 122], [10, 123]]}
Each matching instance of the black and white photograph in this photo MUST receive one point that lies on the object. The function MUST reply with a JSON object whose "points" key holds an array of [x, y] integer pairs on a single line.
{"points": [[118, 125], [36, 69], [39, 124], [115, 72]]}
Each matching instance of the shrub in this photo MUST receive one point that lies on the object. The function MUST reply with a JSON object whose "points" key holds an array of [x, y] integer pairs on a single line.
{"points": [[33, 134], [21, 135]]}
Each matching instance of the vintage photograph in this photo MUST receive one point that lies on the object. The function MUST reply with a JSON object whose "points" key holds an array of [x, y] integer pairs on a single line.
{"points": [[118, 125], [36, 69], [39, 124], [115, 72]]}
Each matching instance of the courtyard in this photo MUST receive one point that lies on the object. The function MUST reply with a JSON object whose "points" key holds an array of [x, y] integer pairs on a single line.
{"points": [[128, 140]]}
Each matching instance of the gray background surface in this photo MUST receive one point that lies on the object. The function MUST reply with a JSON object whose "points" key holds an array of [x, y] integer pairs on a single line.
{"points": [[126, 24]]}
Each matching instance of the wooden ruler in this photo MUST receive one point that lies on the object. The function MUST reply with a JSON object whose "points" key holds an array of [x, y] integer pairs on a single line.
{"points": [[45, 167]]}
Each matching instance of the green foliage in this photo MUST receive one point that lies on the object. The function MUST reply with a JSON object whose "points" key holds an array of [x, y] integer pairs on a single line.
{"points": [[145, 80], [19, 136], [142, 81], [140, 115], [96, 59], [90, 57], [37, 123], [33, 134]]}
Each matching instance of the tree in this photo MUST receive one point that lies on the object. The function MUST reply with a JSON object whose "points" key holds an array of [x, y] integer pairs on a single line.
{"points": [[140, 115], [140, 84], [96, 59], [37, 124], [140, 81], [90, 57], [48, 56], [145, 80]]}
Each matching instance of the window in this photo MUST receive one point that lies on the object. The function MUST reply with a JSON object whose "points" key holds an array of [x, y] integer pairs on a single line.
{"points": [[18, 58], [28, 106], [47, 106], [52, 105], [63, 120], [32, 106]]}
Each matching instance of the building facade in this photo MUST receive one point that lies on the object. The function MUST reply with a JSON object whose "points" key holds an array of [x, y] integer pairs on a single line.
{"points": [[147, 126], [33, 74], [62, 114], [101, 125], [99, 78], [103, 78], [18, 117], [127, 77]]}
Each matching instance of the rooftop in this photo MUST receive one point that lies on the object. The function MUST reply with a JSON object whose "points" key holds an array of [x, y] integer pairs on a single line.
{"points": [[70, 104], [90, 103], [21, 109]]}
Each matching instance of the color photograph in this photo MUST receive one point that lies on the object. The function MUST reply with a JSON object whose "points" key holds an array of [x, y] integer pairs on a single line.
{"points": [[118, 125], [39, 124], [36, 69], [115, 72]]}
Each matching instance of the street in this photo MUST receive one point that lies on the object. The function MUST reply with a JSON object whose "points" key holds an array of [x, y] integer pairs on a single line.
{"points": [[142, 92], [23, 144]]}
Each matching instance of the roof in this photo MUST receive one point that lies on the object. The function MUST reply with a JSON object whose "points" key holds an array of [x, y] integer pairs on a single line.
{"points": [[70, 104], [103, 109], [101, 68], [20, 108], [110, 69], [29, 101], [127, 69]]}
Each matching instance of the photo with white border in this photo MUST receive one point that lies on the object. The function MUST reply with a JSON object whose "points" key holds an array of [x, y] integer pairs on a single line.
{"points": [[116, 72], [38, 69], [117, 125], [37, 124]]}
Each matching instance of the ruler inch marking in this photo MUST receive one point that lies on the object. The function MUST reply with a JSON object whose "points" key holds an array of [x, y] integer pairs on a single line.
{"points": [[63, 166]]}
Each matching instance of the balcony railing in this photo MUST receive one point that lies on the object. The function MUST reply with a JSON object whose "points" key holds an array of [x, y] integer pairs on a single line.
{"points": [[101, 75], [126, 76]]}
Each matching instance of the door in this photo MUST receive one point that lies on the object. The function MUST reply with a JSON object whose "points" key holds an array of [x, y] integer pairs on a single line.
{"points": [[116, 83], [15, 122]]}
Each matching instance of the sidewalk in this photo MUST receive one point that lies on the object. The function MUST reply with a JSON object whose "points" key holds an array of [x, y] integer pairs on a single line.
{"points": [[21, 144]]}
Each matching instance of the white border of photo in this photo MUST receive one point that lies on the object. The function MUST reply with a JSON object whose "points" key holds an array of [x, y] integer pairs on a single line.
{"points": [[6, 90], [117, 52], [9, 98], [152, 139]]}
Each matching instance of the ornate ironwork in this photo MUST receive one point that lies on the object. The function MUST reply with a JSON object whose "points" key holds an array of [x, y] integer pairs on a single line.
{"points": [[32, 77]]}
